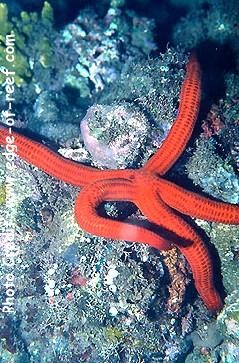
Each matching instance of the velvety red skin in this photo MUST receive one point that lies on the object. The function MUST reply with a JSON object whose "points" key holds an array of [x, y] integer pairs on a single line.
{"points": [[161, 201]]}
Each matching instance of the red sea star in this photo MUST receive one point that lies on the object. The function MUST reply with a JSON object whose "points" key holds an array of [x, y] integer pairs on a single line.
{"points": [[160, 200]]}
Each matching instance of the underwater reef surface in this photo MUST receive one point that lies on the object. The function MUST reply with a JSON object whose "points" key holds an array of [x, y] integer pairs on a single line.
{"points": [[100, 86]]}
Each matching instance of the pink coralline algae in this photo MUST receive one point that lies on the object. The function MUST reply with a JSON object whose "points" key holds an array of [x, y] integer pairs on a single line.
{"points": [[114, 135], [213, 123], [77, 279]]}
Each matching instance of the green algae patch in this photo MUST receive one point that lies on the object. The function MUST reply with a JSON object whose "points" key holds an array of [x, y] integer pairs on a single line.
{"points": [[114, 334], [47, 13], [28, 49], [2, 194], [5, 25]]}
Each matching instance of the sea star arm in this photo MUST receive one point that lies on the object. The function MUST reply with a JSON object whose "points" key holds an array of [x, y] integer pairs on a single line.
{"points": [[54, 164], [196, 253], [182, 128], [42, 157], [91, 196], [195, 205]]}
